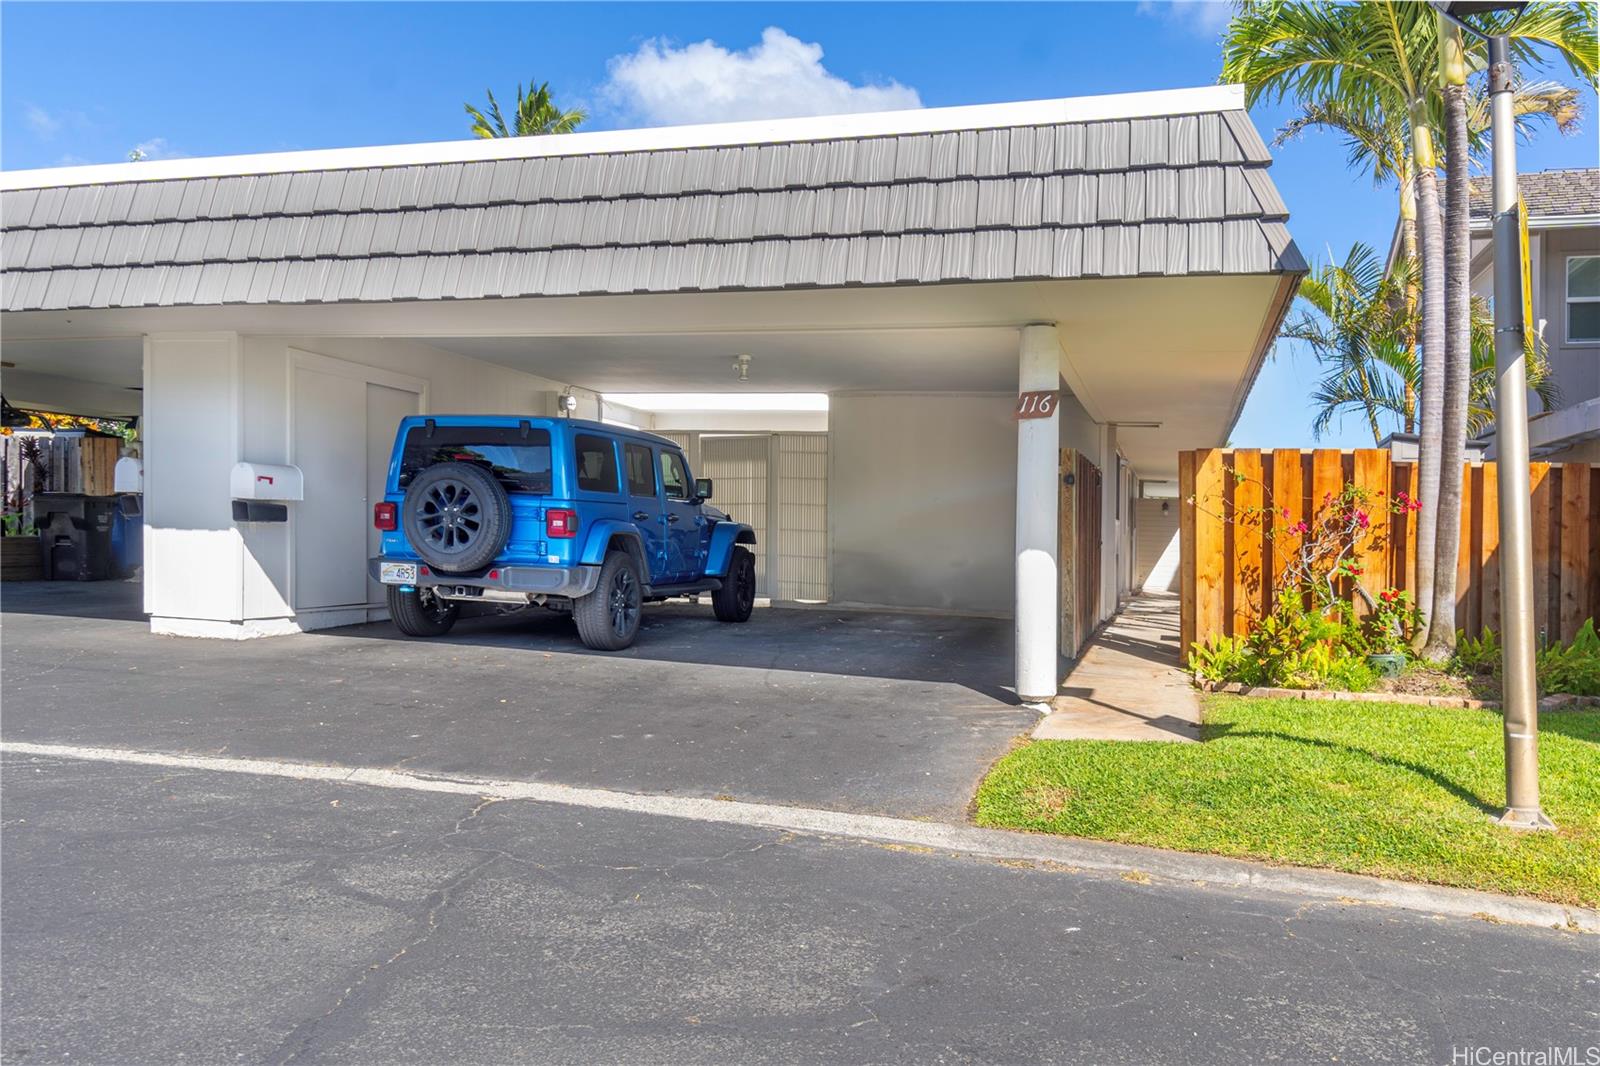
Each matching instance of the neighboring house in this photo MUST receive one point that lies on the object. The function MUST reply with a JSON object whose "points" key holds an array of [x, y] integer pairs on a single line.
{"points": [[1564, 254], [919, 267]]}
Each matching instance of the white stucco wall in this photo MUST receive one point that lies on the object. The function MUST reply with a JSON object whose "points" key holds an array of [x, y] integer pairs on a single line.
{"points": [[1156, 546], [922, 500]]}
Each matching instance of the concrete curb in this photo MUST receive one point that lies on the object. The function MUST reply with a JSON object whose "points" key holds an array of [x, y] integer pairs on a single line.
{"points": [[1130, 862]]}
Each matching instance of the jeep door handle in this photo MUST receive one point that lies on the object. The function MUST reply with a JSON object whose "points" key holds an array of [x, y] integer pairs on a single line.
{"points": [[640, 516], [672, 518]]}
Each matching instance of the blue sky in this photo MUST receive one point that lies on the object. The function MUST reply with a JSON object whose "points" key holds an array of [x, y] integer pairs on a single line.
{"points": [[86, 83]]}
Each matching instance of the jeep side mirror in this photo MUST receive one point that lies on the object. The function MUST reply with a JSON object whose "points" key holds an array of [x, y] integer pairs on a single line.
{"points": [[702, 488]]}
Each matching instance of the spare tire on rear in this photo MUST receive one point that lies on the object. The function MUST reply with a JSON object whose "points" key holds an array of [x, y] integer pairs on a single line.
{"points": [[456, 516]]}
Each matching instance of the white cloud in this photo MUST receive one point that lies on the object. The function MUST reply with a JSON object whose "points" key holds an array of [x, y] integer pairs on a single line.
{"points": [[1205, 17], [41, 121], [154, 148], [781, 77]]}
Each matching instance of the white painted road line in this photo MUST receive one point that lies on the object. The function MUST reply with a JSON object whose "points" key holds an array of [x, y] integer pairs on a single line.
{"points": [[1079, 855]]}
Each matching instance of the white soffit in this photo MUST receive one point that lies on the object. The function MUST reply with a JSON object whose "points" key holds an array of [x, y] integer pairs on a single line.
{"points": [[720, 401]]}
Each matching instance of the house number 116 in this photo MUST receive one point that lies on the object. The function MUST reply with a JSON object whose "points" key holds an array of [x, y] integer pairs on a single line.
{"points": [[1037, 404]]}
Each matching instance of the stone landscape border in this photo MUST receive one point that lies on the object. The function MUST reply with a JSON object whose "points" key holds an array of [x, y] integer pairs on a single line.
{"points": [[1559, 702]]}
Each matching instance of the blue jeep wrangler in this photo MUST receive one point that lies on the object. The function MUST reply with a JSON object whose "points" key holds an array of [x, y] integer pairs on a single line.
{"points": [[562, 513]]}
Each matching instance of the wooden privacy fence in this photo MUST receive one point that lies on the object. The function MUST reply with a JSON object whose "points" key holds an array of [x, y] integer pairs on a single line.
{"points": [[68, 462], [1229, 565]]}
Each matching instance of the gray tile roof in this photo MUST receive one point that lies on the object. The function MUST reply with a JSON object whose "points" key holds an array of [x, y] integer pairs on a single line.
{"points": [[1171, 195], [1548, 193]]}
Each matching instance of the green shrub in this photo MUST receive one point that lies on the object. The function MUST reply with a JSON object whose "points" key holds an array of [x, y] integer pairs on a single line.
{"points": [[1223, 658], [1290, 648], [1574, 669], [1571, 669], [1350, 673], [1480, 656]]}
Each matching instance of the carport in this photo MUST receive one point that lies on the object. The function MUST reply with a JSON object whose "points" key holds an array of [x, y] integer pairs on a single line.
{"points": [[920, 268]]}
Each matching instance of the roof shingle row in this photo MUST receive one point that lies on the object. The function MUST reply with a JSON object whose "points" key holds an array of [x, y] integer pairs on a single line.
{"points": [[1180, 194]]}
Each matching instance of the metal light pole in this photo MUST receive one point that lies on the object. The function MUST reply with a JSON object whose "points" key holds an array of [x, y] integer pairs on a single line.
{"points": [[1520, 695], [1521, 688]]}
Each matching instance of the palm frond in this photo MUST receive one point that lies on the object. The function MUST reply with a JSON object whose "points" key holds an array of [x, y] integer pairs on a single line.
{"points": [[536, 114]]}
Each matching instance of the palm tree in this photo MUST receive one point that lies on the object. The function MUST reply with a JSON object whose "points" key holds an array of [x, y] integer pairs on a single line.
{"points": [[1348, 311], [1351, 317], [1375, 60], [1386, 152], [537, 114], [1570, 30]]}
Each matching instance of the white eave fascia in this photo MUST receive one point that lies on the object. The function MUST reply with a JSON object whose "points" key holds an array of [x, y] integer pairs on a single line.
{"points": [[1203, 100], [1481, 224]]}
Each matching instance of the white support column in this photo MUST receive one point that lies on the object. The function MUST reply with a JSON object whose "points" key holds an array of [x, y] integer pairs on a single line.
{"points": [[194, 556], [1038, 611]]}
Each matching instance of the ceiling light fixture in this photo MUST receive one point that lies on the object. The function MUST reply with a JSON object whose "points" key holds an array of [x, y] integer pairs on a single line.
{"points": [[741, 366]]}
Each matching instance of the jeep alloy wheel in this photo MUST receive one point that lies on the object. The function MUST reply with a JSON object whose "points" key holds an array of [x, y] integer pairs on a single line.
{"points": [[457, 517]]}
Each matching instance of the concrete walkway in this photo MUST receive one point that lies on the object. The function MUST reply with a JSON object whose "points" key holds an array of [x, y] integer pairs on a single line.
{"points": [[1129, 684]]}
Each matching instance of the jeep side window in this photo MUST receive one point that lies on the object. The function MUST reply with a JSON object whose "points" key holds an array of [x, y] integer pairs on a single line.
{"points": [[641, 471], [674, 476], [597, 463]]}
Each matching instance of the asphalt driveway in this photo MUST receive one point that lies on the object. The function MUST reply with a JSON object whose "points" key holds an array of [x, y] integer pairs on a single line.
{"points": [[875, 712], [166, 915]]}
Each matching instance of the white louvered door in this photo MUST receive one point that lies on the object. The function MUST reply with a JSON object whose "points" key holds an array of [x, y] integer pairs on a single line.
{"points": [[778, 484]]}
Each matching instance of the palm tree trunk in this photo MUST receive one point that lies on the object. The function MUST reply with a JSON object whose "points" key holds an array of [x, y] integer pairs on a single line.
{"points": [[1441, 641], [1431, 238], [1408, 248]]}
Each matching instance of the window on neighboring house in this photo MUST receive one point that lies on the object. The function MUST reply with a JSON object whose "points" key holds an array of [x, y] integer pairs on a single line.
{"points": [[1583, 298]]}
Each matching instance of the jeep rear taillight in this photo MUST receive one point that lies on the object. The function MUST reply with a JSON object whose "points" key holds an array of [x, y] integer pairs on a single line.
{"points": [[560, 524], [385, 516]]}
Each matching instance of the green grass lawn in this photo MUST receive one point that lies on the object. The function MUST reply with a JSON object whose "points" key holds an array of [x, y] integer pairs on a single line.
{"points": [[1387, 789]]}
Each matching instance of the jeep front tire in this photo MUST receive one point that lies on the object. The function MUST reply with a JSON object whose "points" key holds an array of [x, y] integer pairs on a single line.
{"points": [[734, 601], [608, 618]]}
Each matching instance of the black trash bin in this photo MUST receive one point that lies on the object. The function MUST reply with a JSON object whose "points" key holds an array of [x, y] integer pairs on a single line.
{"points": [[75, 535]]}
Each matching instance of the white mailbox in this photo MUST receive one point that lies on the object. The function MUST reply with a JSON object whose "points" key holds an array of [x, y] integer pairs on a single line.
{"points": [[263, 481], [128, 475]]}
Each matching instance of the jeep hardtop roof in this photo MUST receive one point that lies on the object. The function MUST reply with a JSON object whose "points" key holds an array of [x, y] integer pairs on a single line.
{"points": [[587, 425]]}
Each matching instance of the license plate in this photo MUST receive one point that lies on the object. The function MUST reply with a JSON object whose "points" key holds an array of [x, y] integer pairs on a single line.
{"points": [[397, 573]]}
